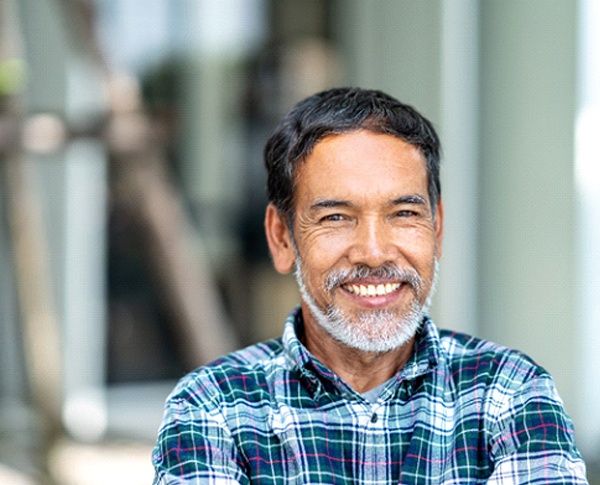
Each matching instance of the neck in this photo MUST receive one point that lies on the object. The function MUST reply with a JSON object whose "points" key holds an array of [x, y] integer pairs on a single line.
{"points": [[360, 370]]}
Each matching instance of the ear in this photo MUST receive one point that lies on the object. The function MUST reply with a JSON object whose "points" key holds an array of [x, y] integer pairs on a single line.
{"points": [[279, 240], [439, 227]]}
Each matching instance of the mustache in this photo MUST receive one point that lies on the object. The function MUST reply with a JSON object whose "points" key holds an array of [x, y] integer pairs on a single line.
{"points": [[386, 272]]}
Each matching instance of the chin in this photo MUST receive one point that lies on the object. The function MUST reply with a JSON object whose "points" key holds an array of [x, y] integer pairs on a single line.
{"points": [[376, 331]]}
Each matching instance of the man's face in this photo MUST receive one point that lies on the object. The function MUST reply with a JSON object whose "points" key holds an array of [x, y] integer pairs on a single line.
{"points": [[365, 238]]}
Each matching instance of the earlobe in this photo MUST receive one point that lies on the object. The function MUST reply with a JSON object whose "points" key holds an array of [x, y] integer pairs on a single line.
{"points": [[279, 240], [439, 227]]}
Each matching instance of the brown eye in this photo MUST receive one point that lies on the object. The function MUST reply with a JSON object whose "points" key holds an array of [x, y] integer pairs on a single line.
{"points": [[406, 213], [333, 218]]}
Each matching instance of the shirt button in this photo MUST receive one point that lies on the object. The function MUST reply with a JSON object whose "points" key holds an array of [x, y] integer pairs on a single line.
{"points": [[374, 418]]}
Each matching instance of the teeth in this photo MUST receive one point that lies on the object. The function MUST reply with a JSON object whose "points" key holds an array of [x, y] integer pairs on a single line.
{"points": [[372, 290]]}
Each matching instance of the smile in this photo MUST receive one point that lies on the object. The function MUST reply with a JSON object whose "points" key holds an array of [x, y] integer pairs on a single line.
{"points": [[372, 290]]}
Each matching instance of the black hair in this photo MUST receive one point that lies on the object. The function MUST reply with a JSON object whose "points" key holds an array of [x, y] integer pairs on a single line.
{"points": [[337, 111]]}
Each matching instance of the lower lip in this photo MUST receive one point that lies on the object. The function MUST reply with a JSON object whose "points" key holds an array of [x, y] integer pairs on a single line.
{"points": [[377, 301]]}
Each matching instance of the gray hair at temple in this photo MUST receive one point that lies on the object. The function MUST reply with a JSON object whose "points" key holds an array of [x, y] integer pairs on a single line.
{"points": [[337, 111]]}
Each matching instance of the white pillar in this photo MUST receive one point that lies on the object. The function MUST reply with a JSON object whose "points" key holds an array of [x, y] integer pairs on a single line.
{"points": [[588, 191]]}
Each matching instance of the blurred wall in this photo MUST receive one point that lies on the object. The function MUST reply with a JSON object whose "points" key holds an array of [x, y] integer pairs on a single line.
{"points": [[527, 198], [497, 78]]}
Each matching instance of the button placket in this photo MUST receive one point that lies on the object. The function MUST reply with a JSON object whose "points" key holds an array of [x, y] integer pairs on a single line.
{"points": [[374, 449], [376, 416]]}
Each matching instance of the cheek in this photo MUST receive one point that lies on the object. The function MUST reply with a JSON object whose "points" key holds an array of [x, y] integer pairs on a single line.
{"points": [[419, 242], [322, 250], [316, 267], [420, 253]]}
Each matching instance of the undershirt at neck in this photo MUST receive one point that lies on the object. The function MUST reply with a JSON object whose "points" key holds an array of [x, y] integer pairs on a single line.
{"points": [[372, 394]]}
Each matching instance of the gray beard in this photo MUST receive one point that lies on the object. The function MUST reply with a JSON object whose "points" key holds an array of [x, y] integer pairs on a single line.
{"points": [[372, 331]]}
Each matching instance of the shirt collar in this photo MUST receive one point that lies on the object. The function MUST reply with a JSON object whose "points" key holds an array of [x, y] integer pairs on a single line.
{"points": [[425, 356]]}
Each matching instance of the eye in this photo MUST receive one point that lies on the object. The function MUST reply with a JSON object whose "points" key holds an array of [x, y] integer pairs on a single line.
{"points": [[333, 218], [406, 213]]}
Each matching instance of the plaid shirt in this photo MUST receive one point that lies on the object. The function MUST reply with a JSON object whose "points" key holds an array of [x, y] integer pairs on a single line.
{"points": [[462, 411]]}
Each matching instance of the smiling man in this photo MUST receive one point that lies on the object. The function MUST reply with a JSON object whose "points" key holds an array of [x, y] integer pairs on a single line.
{"points": [[362, 387]]}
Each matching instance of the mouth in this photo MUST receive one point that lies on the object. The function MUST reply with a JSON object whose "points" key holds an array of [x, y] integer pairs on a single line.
{"points": [[372, 290]]}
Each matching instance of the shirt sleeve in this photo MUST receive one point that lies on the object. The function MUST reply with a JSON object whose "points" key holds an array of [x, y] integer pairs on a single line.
{"points": [[532, 439], [195, 447]]}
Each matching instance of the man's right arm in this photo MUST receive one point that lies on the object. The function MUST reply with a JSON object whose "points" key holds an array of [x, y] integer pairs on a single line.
{"points": [[195, 446]]}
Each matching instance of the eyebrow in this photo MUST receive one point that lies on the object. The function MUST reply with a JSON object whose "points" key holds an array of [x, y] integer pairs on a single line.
{"points": [[332, 203], [328, 204], [410, 199]]}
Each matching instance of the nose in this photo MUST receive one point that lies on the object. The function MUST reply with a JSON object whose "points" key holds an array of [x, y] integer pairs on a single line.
{"points": [[373, 244]]}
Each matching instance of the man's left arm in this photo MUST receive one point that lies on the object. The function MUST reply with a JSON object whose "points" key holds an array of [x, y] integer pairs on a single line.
{"points": [[532, 440]]}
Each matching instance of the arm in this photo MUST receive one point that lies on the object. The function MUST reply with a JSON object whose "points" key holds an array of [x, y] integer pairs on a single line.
{"points": [[194, 446], [532, 440]]}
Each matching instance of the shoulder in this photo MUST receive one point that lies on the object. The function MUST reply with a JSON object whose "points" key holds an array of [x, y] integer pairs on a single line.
{"points": [[239, 375], [501, 385], [472, 360]]}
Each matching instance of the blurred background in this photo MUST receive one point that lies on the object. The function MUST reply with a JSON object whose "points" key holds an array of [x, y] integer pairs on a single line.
{"points": [[132, 194]]}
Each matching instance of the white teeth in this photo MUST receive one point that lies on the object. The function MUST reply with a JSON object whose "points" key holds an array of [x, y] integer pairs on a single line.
{"points": [[373, 290]]}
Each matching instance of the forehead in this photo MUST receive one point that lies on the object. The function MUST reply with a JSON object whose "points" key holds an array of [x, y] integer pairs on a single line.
{"points": [[362, 162]]}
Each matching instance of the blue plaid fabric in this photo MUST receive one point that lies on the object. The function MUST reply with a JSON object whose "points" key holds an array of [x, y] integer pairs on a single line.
{"points": [[462, 411]]}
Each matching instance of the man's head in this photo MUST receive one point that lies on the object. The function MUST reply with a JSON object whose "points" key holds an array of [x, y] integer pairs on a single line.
{"points": [[336, 111], [356, 211]]}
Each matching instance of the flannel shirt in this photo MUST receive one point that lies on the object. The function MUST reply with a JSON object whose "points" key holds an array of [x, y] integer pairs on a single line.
{"points": [[461, 411]]}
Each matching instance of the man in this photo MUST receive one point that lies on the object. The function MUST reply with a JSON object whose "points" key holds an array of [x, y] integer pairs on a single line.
{"points": [[362, 387]]}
